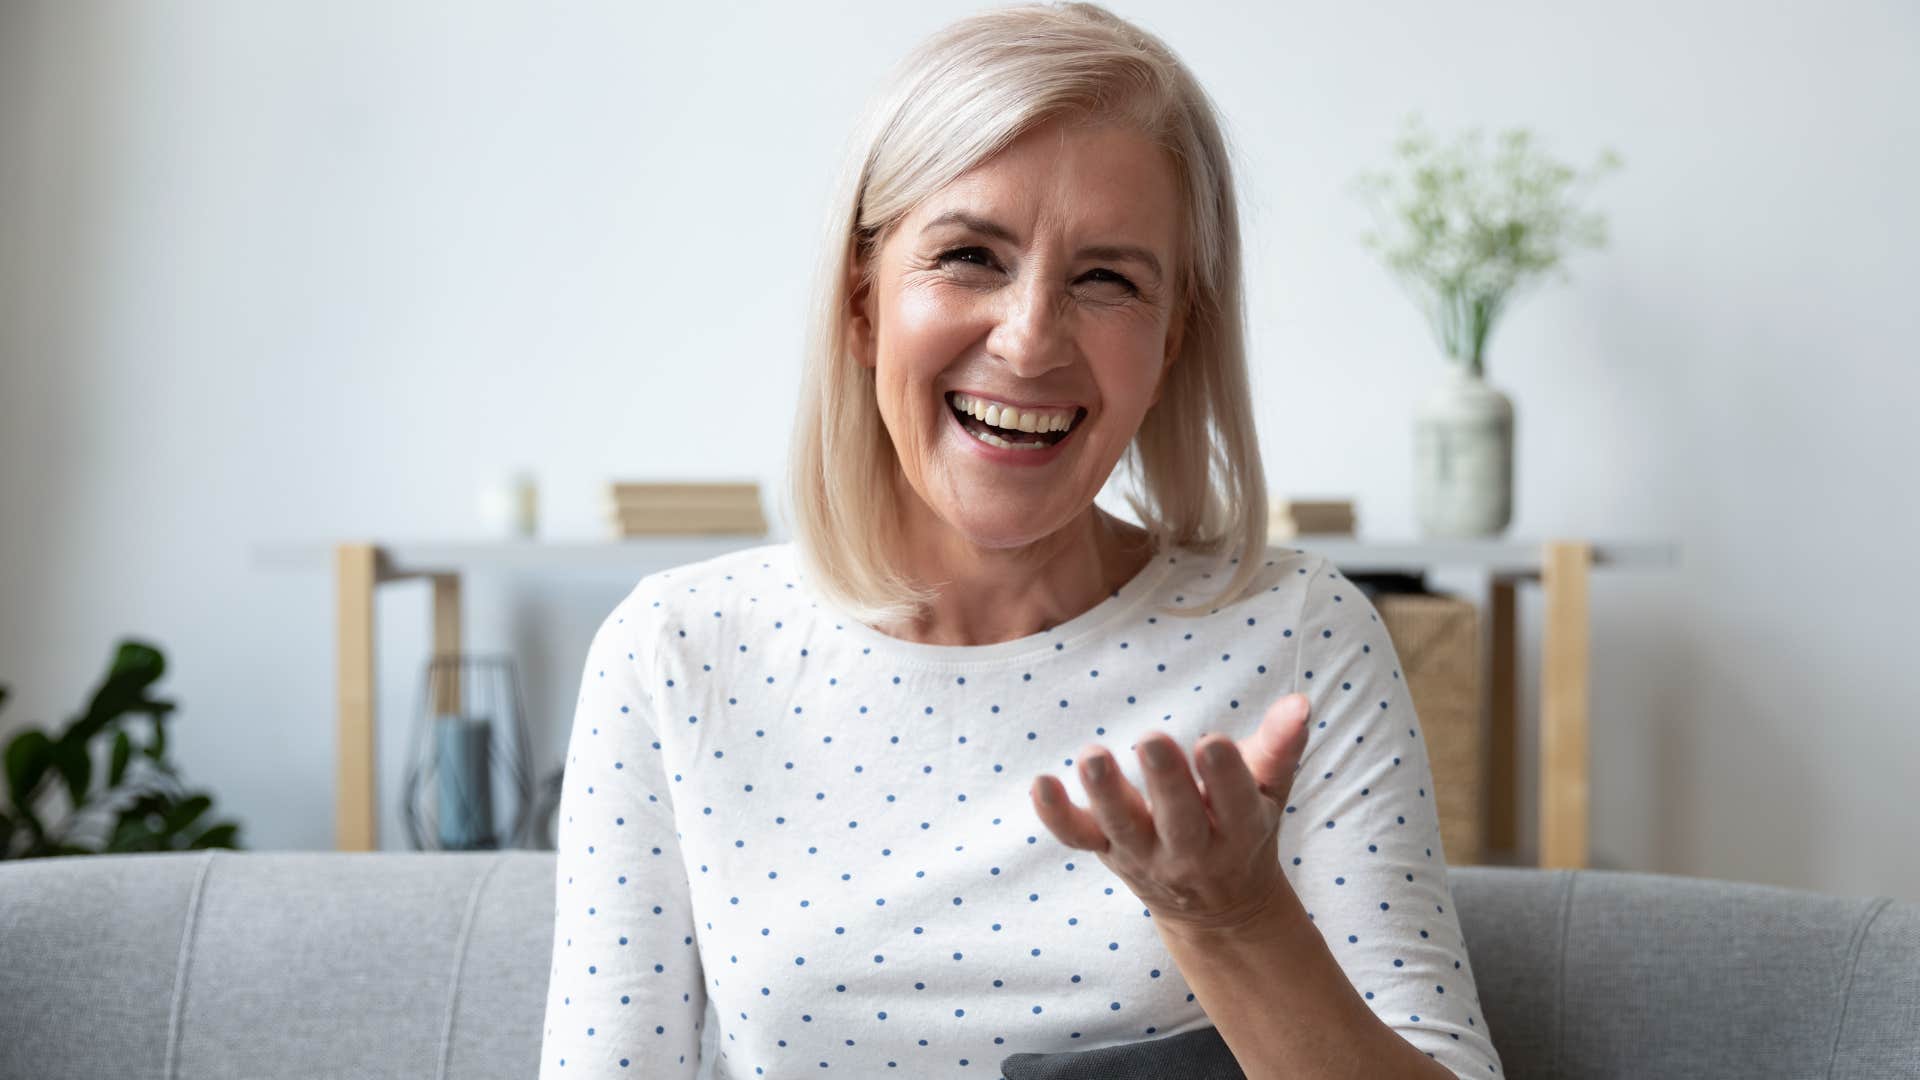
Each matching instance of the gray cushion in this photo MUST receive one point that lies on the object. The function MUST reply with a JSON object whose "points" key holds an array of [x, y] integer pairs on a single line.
{"points": [[322, 964]]}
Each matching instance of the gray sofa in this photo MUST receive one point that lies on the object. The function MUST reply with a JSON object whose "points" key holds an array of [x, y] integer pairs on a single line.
{"points": [[364, 966]]}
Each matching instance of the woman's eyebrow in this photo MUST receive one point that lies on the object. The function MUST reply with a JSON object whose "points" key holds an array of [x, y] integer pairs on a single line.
{"points": [[1000, 232]]}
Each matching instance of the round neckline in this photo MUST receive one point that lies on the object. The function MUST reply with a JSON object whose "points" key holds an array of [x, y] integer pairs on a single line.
{"points": [[1116, 604]]}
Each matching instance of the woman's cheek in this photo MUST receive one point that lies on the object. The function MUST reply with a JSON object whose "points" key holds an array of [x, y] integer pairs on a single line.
{"points": [[931, 317]]}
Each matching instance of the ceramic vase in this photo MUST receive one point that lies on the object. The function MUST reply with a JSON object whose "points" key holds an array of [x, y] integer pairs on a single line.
{"points": [[1463, 458]]}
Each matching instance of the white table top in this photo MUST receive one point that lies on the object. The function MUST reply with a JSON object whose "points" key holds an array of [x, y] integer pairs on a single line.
{"points": [[1501, 557]]}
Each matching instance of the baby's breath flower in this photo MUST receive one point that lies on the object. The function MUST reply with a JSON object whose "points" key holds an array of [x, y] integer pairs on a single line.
{"points": [[1465, 231]]}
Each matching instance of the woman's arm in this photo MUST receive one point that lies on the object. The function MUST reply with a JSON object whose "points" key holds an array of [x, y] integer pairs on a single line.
{"points": [[1283, 1005], [626, 992], [1361, 969]]}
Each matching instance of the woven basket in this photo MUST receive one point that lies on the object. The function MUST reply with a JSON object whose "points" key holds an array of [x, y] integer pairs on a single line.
{"points": [[1438, 639]]}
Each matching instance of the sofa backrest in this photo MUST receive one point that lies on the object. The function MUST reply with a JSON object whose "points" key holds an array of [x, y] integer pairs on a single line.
{"points": [[220, 964], [1592, 973]]}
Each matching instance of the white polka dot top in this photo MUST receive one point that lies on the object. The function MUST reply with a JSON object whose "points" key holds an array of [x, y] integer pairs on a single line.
{"points": [[789, 843]]}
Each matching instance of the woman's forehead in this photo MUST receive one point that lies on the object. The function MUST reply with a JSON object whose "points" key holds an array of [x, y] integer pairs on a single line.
{"points": [[1106, 195]]}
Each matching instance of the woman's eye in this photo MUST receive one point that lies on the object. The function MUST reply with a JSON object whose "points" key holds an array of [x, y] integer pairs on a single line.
{"points": [[977, 256], [1115, 278], [982, 256]]}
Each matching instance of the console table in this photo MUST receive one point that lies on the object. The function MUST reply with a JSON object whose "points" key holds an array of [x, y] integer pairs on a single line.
{"points": [[1562, 568]]}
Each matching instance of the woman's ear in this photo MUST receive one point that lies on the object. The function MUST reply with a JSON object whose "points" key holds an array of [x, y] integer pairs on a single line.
{"points": [[859, 312]]}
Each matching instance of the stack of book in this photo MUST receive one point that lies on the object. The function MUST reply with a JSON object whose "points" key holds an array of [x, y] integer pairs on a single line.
{"points": [[1297, 517], [649, 509]]}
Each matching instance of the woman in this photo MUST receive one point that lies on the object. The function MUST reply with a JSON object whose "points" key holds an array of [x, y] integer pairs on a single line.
{"points": [[809, 820]]}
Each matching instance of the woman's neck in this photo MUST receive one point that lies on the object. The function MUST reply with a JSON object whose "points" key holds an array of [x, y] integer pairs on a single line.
{"points": [[990, 595]]}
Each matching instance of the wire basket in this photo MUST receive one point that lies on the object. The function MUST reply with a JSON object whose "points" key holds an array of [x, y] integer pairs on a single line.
{"points": [[469, 743]]}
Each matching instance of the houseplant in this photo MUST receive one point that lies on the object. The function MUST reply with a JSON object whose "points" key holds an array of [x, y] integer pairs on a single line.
{"points": [[142, 806], [1466, 230]]}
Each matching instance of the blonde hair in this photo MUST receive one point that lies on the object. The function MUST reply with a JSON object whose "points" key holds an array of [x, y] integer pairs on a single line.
{"points": [[960, 97]]}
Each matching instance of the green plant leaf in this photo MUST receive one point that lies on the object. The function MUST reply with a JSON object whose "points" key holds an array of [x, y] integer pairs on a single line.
{"points": [[131, 833], [151, 804], [137, 661], [75, 766], [222, 836], [122, 752], [182, 815], [135, 667], [29, 756]]}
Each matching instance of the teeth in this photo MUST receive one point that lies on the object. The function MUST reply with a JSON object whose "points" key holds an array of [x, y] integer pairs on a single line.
{"points": [[1012, 419], [995, 440]]}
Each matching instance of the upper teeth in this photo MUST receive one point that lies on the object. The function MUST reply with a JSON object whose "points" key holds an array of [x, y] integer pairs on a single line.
{"points": [[1012, 419]]}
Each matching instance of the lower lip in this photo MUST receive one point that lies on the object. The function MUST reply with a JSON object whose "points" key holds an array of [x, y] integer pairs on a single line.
{"points": [[1001, 455]]}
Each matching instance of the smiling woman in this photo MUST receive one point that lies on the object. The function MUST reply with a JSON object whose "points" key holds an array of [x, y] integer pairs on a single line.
{"points": [[1028, 285], [808, 820], [1038, 214]]}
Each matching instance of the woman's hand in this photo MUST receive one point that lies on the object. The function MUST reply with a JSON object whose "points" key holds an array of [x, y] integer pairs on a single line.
{"points": [[1205, 857]]}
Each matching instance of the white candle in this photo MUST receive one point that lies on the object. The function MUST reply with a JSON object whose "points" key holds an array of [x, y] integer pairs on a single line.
{"points": [[510, 507]]}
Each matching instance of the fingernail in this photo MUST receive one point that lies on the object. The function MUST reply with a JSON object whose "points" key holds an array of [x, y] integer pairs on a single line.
{"points": [[1156, 752], [1046, 794], [1097, 767]]}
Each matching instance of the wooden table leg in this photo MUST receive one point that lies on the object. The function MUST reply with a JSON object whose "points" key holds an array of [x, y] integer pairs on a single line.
{"points": [[446, 641], [1503, 788], [1564, 765], [356, 819]]}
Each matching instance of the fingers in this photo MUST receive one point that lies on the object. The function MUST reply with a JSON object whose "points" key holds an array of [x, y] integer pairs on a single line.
{"points": [[1074, 827], [1273, 752], [1116, 804], [1231, 786], [1179, 816]]}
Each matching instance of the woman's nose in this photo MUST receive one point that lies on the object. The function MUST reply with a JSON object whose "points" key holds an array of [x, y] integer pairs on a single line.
{"points": [[1031, 336]]}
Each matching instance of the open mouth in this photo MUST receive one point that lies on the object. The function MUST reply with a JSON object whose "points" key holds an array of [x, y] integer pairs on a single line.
{"points": [[1012, 438]]}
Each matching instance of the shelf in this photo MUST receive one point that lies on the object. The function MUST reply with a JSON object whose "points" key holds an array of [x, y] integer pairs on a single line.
{"points": [[1561, 565], [1501, 558], [408, 559]]}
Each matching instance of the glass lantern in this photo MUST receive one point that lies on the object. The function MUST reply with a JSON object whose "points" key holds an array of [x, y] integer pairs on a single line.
{"points": [[469, 746]]}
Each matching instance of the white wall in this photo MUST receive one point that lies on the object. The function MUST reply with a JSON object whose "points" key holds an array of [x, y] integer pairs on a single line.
{"points": [[305, 272]]}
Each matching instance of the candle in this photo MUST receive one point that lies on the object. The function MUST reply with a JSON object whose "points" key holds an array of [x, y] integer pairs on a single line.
{"points": [[510, 507], [465, 782]]}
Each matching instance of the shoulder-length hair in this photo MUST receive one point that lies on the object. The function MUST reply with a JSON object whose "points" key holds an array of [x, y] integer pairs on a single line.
{"points": [[957, 99]]}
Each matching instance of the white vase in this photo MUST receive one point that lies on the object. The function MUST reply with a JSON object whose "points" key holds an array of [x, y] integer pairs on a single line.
{"points": [[1463, 458]]}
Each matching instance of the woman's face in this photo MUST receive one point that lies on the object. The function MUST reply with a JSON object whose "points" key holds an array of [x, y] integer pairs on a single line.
{"points": [[1042, 280]]}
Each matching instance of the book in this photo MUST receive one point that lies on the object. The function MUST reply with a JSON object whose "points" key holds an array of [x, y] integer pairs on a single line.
{"points": [[668, 506], [1287, 518], [638, 493], [620, 530], [647, 507]]}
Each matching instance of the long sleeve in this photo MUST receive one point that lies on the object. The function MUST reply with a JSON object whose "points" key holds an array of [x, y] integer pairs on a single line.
{"points": [[626, 993], [1361, 838]]}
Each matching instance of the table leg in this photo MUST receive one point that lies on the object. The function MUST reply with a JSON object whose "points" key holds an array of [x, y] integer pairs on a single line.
{"points": [[356, 820], [1564, 765], [446, 641], [1503, 731]]}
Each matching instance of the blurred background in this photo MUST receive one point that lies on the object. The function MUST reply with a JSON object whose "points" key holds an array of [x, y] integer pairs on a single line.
{"points": [[286, 274]]}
